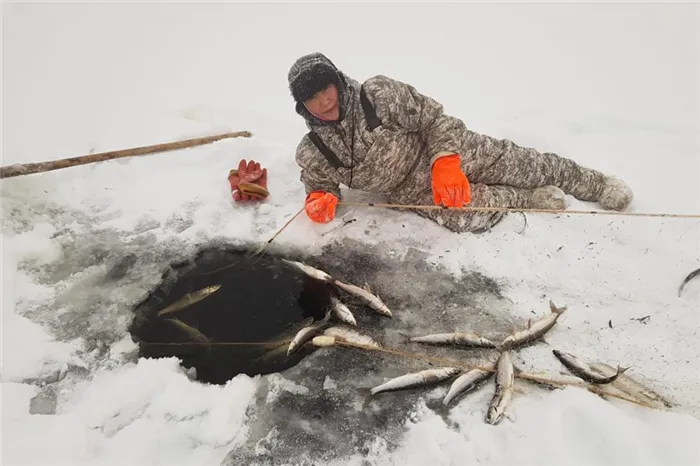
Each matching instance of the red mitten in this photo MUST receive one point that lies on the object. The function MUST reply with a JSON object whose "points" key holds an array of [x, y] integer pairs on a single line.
{"points": [[248, 182]]}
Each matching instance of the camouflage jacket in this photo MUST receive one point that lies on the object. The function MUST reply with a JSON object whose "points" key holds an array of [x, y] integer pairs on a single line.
{"points": [[414, 132]]}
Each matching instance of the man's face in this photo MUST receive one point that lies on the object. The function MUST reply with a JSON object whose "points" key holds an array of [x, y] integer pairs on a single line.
{"points": [[325, 103]]}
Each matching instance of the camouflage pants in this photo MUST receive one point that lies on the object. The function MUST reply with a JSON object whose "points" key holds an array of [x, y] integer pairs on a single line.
{"points": [[501, 174]]}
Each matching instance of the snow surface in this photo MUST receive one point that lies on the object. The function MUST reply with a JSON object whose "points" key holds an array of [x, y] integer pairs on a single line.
{"points": [[614, 86]]}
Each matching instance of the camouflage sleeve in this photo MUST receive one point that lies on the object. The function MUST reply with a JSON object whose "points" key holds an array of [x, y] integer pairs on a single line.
{"points": [[401, 105], [314, 169]]}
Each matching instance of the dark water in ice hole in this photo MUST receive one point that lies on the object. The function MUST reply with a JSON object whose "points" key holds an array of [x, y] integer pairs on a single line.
{"points": [[261, 299]]}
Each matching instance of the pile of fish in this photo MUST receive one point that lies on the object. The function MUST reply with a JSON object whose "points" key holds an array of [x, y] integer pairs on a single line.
{"points": [[323, 334], [325, 326], [327, 333]]}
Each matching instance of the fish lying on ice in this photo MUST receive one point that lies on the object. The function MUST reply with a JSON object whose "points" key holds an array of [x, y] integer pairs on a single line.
{"points": [[350, 335], [631, 387], [535, 330], [189, 299], [307, 333], [366, 295], [505, 377], [582, 370], [416, 379], [467, 382], [308, 270], [467, 339], [342, 312]]}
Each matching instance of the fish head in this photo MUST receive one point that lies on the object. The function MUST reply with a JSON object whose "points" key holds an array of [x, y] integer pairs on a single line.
{"points": [[493, 415]]}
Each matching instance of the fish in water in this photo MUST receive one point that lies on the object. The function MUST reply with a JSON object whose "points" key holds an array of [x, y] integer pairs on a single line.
{"points": [[416, 379], [366, 295], [308, 270], [189, 299], [582, 370], [467, 382], [505, 377], [307, 333], [192, 332], [350, 335], [535, 330], [459, 339], [690, 276], [342, 312]]}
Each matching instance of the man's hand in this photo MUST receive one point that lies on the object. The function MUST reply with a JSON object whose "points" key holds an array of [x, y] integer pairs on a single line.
{"points": [[320, 206], [450, 185], [248, 182]]}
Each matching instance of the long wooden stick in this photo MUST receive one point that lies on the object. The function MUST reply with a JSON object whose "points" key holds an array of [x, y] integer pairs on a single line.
{"points": [[264, 245], [511, 209], [29, 168]]}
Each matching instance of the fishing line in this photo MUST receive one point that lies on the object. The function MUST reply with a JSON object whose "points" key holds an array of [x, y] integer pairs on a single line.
{"points": [[518, 210], [227, 343]]}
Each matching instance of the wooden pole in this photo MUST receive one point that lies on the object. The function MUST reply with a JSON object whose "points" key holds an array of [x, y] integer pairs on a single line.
{"points": [[29, 168]]}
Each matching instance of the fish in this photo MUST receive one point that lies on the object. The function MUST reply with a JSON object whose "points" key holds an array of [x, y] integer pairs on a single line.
{"points": [[689, 277], [458, 338], [342, 312], [534, 330], [468, 381], [366, 295], [350, 335], [632, 387], [308, 270], [189, 299], [505, 377], [582, 370], [307, 333], [192, 332], [416, 379]]}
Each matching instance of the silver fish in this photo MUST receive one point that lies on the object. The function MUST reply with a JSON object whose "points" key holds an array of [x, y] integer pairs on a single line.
{"points": [[366, 295], [342, 312], [505, 376], [189, 299], [308, 270], [192, 332], [633, 388], [350, 335], [307, 333], [467, 382], [582, 370], [535, 330], [459, 338], [416, 379]]}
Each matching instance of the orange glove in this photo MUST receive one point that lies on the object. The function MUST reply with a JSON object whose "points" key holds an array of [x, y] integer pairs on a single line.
{"points": [[320, 206], [450, 185]]}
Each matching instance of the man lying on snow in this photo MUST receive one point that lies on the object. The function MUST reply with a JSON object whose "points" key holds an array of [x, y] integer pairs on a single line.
{"points": [[385, 137]]}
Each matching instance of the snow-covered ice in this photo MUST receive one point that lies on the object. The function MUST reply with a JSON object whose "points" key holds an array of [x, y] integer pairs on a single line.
{"points": [[613, 86]]}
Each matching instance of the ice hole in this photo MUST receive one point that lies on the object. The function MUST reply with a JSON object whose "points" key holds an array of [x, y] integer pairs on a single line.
{"points": [[261, 299]]}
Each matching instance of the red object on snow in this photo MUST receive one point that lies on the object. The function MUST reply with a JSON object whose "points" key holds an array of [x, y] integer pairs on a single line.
{"points": [[248, 182]]}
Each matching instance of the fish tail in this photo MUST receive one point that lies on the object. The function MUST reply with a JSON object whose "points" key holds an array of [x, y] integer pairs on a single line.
{"points": [[366, 395], [557, 310], [406, 338]]}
